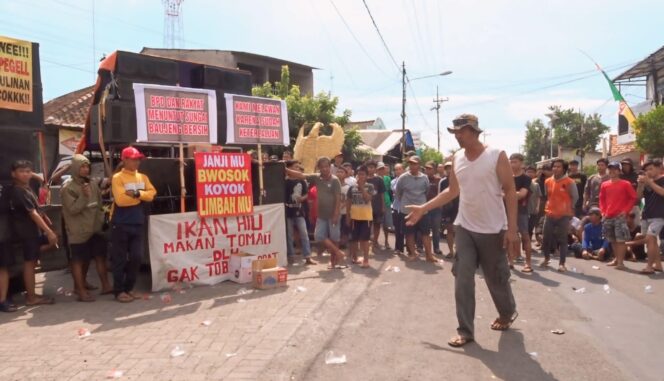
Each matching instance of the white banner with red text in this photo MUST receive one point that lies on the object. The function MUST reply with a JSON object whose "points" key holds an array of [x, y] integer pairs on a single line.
{"points": [[188, 250]]}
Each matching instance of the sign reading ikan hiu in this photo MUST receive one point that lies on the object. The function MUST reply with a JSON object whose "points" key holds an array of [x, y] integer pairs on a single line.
{"points": [[172, 114], [256, 120]]}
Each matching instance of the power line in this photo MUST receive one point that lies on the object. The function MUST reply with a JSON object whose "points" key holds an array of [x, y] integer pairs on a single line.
{"points": [[381, 36], [356, 39]]}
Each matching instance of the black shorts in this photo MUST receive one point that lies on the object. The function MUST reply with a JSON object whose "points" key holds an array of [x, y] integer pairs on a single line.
{"points": [[6, 255], [422, 226], [96, 246], [31, 247], [360, 231]]}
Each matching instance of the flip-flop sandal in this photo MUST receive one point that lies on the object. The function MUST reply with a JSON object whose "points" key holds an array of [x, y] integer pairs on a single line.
{"points": [[8, 307], [44, 300], [504, 326], [620, 267], [86, 299], [124, 298], [527, 269], [459, 341], [658, 270], [647, 272], [91, 287]]}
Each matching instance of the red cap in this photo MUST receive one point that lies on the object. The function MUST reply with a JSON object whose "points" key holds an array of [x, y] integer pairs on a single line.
{"points": [[131, 153]]}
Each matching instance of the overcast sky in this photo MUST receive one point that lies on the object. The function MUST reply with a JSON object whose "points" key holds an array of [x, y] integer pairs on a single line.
{"points": [[510, 59]]}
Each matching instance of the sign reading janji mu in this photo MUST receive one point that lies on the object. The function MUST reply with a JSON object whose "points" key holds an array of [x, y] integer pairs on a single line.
{"points": [[223, 184], [187, 249], [15, 74], [172, 114], [256, 120]]}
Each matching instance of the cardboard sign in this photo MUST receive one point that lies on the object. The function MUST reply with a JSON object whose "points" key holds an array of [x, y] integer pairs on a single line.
{"points": [[223, 184], [256, 120], [267, 275], [15, 74], [171, 114], [187, 249]]}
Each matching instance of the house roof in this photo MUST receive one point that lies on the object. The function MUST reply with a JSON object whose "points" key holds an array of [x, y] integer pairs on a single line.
{"points": [[147, 50], [619, 149], [360, 124], [69, 110], [654, 61], [381, 141]]}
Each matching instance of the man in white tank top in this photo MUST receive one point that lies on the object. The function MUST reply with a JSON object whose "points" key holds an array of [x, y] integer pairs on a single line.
{"points": [[481, 177]]}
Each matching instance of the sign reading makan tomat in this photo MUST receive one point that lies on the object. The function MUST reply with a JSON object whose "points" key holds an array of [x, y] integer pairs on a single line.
{"points": [[15, 74], [187, 249], [223, 184], [256, 120], [172, 114]]}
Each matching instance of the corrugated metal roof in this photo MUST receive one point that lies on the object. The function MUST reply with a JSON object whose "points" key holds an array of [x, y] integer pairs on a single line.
{"points": [[654, 61]]}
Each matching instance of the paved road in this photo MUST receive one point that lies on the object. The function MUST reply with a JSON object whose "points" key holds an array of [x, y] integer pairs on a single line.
{"points": [[390, 325], [399, 327]]}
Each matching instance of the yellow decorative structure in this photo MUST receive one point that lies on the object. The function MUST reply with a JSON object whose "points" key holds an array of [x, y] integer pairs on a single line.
{"points": [[309, 148]]}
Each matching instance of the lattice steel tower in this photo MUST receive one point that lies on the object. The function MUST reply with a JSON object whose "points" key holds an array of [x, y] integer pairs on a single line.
{"points": [[173, 29]]}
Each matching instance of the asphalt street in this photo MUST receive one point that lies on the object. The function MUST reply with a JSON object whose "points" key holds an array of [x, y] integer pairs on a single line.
{"points": [[395, 326]]}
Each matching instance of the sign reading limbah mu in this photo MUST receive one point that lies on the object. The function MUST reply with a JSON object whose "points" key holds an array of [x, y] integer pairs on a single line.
{"points": [[223, 184]]}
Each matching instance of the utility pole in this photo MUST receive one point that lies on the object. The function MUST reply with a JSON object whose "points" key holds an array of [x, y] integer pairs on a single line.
{"points": [[403, 109], [438, 101]]}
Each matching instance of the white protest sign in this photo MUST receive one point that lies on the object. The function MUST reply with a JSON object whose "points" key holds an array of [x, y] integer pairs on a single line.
{"points": [[187, 249]]}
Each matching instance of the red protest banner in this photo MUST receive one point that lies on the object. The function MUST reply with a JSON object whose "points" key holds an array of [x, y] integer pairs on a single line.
{"points": [[175, 114], [223, 184]]}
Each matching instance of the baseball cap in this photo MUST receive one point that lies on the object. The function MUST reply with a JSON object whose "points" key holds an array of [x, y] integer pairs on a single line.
{"points": [[430, 164], [339, 154], [447, 164], [614, 164], [131, 153], [595, 210], [414, 159], [380, 165], [464, 120]]}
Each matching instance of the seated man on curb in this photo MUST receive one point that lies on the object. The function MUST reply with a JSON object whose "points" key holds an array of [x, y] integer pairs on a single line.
{"points": [[594, 246]]}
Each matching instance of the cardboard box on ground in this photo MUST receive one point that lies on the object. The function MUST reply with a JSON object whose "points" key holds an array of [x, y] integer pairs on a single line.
{"points": [[241, 267], [267, 275]]}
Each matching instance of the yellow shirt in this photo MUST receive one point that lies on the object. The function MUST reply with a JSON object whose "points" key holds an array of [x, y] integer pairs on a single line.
{"points": [[360, 210]]}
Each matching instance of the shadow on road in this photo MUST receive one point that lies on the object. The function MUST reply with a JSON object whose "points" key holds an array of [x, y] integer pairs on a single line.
{"points": [[536, 277], [510, 363]]}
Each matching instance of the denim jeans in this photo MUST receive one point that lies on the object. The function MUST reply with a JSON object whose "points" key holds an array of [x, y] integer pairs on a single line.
{"points": [[301, 225]]}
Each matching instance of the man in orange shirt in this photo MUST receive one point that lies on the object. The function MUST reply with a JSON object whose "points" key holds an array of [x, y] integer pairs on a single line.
{"points": [[561, 196]]}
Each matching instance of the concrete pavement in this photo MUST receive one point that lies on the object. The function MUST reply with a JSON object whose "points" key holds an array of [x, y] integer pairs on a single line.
{"points": [[390, 325]]}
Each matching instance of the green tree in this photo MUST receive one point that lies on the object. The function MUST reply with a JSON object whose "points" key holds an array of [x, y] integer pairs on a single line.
{"points": [[576, 130], [538, 140], [304, 109], [430, 154], [649, 129]]}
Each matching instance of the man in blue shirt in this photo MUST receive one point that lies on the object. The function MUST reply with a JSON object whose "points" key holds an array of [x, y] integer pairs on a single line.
{"points": [[594, 245]]}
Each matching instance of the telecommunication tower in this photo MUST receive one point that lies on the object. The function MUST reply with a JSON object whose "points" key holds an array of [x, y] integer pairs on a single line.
{"points": [[173, 28]]}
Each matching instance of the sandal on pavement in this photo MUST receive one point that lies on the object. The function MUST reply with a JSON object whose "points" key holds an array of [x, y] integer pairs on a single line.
{"points": [[459, 341], [86, 299], [6, 306], [527, 269], [432, 259], [91, 287], [647, 271], [657, 270], [620, 267], [499, 325], [124, 298], [612, 263], [43, 300], [544, 263]]}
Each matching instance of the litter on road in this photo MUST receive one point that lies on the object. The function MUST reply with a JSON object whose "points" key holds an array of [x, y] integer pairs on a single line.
{"points": [[596, 267], [83, 333], [331, 359], [581, 290], [177, 351], [301, 289], [166, 298], [558, 331], [206, 323], [113, 373], [648, 289], [231, 354], [607, 289]]}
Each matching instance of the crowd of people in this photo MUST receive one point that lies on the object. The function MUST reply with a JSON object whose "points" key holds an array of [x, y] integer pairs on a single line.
{"points": [[88, 228]]}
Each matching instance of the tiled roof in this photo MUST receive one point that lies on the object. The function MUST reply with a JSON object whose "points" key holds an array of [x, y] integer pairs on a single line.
{"points": [[619, 149], [361, 125], [69, 110]]}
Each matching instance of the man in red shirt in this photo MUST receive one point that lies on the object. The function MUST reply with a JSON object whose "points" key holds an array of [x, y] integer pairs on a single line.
{"points": [[616, 199]]}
